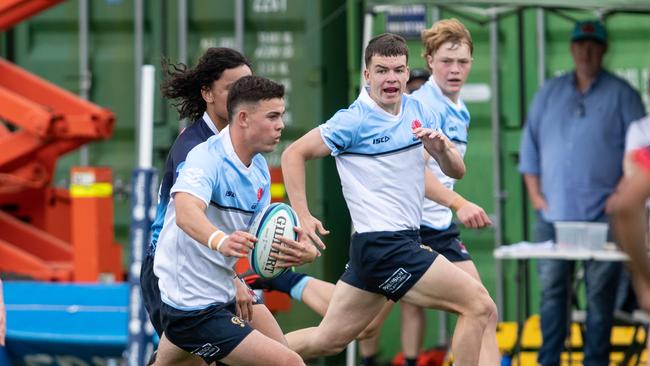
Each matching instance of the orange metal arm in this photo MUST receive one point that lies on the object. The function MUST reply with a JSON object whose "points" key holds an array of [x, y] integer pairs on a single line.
{"points": [[49, 122], [14, 11], [48, 110], [45, 233]]}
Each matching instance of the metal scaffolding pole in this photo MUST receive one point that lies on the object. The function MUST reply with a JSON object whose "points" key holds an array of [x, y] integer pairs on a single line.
{"points": [[84, 72], [496, 155]]}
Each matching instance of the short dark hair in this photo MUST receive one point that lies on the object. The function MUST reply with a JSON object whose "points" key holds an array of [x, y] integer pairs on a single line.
{"points": [[252, 89], [387, 44], [184, 85]]}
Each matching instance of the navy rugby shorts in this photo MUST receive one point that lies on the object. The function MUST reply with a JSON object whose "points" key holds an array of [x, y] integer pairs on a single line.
{"points": [[151, 292], [210, 333], [446, 242], [387, 262]]}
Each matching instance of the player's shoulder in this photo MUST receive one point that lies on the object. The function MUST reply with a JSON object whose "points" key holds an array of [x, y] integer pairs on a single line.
{"points": [[351, 116], [210, 151], [639, 130], [189, 138], [413, 101], [415, 106], [642, 124], [429, 96]]}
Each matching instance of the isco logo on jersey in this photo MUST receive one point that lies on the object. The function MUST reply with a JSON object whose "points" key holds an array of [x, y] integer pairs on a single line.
{"points": [[380, 140]]}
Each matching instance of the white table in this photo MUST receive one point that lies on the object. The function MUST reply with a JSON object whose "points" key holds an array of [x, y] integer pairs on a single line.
{"points": [[549, 250], [522, 252]]}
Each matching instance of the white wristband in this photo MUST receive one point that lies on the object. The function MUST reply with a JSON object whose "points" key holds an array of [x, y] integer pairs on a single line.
{"points": [[221, 242], [211, 238]]}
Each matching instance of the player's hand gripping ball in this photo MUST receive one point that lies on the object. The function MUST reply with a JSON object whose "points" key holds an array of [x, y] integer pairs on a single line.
{"points": [[270, 223]]}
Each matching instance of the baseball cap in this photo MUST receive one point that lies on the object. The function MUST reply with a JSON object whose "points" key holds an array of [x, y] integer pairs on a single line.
{"points": [[589, 29]]}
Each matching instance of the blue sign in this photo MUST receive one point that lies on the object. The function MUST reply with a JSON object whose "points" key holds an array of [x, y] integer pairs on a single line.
{"points": [[143, 212], [407, 21], [65, 324]]}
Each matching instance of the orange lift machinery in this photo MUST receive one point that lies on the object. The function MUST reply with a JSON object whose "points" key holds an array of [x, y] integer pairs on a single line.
{"points": [[49, 233]]}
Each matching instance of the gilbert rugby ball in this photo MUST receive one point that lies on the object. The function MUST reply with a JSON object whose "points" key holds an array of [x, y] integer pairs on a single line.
{"points": [[273, 221]]}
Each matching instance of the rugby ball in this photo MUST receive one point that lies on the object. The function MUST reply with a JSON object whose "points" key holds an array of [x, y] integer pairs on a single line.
{"points": [[271, 222]]}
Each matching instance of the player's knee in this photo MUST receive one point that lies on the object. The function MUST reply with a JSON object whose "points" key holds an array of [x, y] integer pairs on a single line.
{"points": [[482, 306], [488, 307], [336, 348], [494, 314], [335, 344], [370, 332], [292, 359]]}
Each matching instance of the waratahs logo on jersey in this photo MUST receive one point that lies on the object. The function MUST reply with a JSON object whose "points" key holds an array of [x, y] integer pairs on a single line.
{"points": [[260, 193], [416, 124]]}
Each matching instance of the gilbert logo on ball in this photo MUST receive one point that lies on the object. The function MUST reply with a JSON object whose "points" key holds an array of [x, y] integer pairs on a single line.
{"points": [[269, 224]]}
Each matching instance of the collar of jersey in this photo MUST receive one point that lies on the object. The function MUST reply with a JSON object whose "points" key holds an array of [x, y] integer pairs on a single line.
{"points": [[208, 121], [224, 135], [364, 97], [438, 93]]}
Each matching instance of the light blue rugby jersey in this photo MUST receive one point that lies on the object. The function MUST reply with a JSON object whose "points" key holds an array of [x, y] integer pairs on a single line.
{"points": [[455, 123], [192, 276], [380, 162]]}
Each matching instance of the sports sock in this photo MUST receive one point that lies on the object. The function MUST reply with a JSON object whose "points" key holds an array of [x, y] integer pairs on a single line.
{"points": [[410, 361], [369, 361], [298, 288], [284, 282]]}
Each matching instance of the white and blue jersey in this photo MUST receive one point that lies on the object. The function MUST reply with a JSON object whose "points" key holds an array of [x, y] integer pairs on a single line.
{"points": [[380, 162], [192, 276], [455, 123]]}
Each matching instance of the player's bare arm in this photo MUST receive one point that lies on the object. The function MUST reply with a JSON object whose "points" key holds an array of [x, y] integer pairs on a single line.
{"points": [[308, 147], [443, 150], [191, 218], [470, 214]]}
